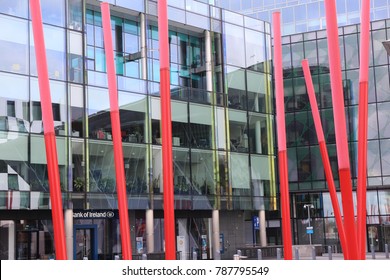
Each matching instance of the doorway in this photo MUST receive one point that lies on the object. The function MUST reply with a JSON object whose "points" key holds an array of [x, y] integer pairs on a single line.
{"points": [[85, 242], [376, 235]]}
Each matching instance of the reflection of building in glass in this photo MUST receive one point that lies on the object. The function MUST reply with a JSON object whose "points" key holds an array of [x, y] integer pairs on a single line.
{"points": [[222, 128], [301, 15], [306, 174]]}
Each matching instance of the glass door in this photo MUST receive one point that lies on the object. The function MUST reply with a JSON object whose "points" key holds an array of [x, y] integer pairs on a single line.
{"points": [[85, 242], [373, 237]]}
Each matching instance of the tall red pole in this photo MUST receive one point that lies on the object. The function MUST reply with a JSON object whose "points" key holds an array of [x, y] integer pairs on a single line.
{"points": [[324, 155], [166, 128], [340, 126], [48, 129], [281, 130], [362, 132], [116, 134]]}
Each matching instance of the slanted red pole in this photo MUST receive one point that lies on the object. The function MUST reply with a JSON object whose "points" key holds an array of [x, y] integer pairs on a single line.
{"points": [[166, 128], [362, 132], [116, 135], [324, 155], [281, 130], [48, 129], [340, 126]]}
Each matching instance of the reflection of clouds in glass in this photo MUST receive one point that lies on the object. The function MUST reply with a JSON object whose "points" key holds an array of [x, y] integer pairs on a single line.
{"points": [[53, 12]]}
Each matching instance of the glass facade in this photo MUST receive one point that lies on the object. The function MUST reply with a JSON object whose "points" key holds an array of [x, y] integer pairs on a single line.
{"points": [[301, 15], [222, 121], [306, 174]]}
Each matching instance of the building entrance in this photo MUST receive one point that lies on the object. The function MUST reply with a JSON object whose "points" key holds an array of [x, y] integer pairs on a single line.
{"points": [[85, 242]]}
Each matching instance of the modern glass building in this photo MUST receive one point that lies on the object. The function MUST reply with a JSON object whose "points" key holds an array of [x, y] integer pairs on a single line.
{"points": [[222, 129], [306, 173], [303, 15], [303, 23]]}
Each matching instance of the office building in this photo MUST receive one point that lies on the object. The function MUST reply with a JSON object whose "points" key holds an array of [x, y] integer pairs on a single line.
{"points": [[222, 129]]}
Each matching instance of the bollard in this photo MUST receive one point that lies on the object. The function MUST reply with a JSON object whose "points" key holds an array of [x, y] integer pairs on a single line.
{"points": [[387, 250], [144, 257], [278, 253], [330, 252], [259, 254], [313, 253], [296, 249], [372, 251], [236, 257], [194, 256], [239, 252]]}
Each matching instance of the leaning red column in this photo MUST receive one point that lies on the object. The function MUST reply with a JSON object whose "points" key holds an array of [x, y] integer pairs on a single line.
{"points": [[124, 226], [48, 130], [340, 127], [324, 155], [362, 129], [166, 133], [281, 135]]}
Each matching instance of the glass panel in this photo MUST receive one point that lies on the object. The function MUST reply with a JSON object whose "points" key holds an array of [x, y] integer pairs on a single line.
{"points": [[257, 88], [136, 169], [380, 56], [38, 169], [235, 79], [384, 119], [15, 94], [240, 180], [311, 55], [180, 129], [297, 55], [53, 12], [255, 50], [181, 167], [382, 83], [238, 131], [198, 21], [101, 167], [59, 103], [258, 134], [351, 51], [202, 165], [14, 49], [234, 48], [373, 159], [132, 108], [78, 166], [75, 14], [200, 126], [385, 156], [292, 164], [99, 122], [77, 110], [55, 52], [384, 203], [15, 8], [304, 164]]}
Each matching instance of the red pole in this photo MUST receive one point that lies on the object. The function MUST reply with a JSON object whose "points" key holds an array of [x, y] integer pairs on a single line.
{"points": [[362, 132], [116, 134], [281, 130], [166, 127], [340, 129], [48, 128], [325, 156]]}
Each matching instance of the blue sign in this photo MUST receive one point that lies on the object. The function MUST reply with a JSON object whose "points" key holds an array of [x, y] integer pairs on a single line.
{"points": [[256, 222], [309, 230]]}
